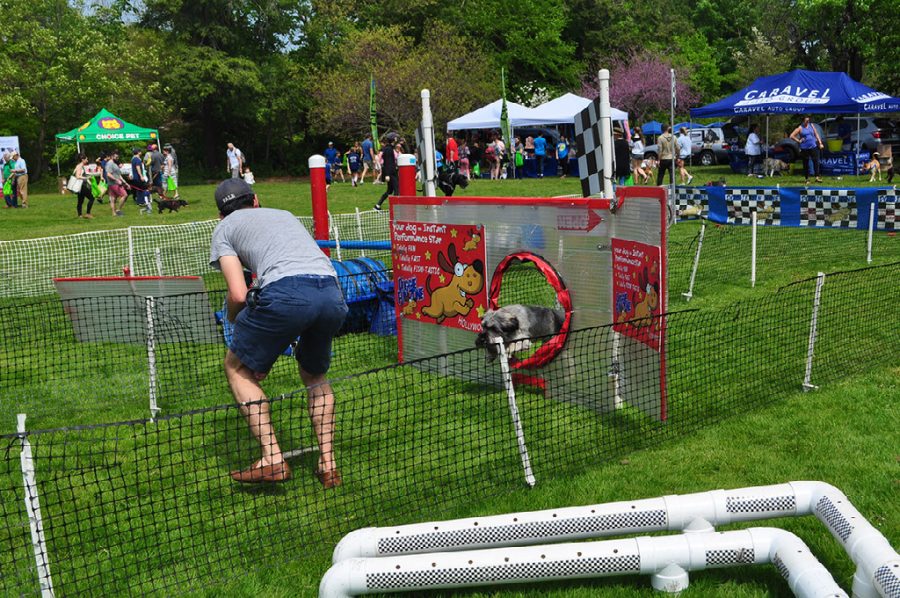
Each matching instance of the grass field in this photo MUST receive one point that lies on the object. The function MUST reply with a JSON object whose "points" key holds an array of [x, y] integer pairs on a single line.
{"points": [[137, 498]]}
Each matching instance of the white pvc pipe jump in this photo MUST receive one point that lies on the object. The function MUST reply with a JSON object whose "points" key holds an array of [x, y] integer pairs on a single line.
{"points": [[667, 559], [878, 564], [606, 141]]}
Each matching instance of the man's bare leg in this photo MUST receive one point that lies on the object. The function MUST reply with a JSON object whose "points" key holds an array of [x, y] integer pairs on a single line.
{"points": [[246, 390], [321, 413]]}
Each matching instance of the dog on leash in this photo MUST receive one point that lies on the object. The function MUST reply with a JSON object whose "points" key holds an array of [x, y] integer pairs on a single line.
{"points": [[771, 166], [873, 166], [517, 324], [169, 204]]}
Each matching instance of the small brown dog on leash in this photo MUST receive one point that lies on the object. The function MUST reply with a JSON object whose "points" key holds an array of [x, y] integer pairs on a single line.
{"points": [[170, 204]]}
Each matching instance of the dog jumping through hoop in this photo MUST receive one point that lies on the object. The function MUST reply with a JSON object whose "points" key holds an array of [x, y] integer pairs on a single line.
{"points": [[517, 325]]}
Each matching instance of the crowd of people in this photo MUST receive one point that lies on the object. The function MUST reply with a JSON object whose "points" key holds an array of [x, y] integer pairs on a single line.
{"points": [[14, 178], [109, 175]]}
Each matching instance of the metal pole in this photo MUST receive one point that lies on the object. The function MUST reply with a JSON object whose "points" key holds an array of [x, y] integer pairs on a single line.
{"points": [[606, 142], [514, 411], [872, 209], [690, 292], [33, 508], [753, 219], [856, 164], [673, 102], [359, 229], [151, 357], [428, 156], [810, 349]]}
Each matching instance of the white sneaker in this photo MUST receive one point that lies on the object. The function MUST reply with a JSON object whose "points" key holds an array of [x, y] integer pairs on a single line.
{"points": [[376, 207], [690, 178]]}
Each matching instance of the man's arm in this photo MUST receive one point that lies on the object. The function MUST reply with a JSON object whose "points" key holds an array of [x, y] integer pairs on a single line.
{"points": [[233, 272]]}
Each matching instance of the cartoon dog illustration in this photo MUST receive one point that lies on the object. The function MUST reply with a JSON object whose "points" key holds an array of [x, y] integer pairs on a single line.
{"points": [[409, 308], [643, 310], [472, 244], [453, 298]]}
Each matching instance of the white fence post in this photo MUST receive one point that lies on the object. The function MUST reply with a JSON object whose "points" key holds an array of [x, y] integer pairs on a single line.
{"points": [[151, 357], [336, 236], [514, 411], [33, 508], [131, 253], [753, 220], [157, 254], [690, 291], [359, 230], [872, 210], [810, 350]]}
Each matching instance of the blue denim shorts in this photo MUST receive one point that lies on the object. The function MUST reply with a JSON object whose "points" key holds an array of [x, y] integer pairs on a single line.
{"points": [[311, 307]]}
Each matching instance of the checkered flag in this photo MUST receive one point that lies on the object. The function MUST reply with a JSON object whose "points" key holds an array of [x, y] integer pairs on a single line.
{"points": [[690, 202], [828, 208], [887, 211], [590, 157], [742, 203]]}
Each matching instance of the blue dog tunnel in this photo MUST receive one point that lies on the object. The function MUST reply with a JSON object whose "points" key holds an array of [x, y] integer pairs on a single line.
{"points": [[369, 293]]}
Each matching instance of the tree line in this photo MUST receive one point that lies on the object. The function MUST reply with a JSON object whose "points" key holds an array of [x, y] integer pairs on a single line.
{"points": [[281, 77]]}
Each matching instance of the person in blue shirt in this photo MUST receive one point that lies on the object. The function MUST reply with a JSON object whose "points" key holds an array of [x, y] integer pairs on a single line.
{"points": [[562, 154], [540, 152], [333, 158], [139, 182], [439, 159], [368, 158], [354, 163]]}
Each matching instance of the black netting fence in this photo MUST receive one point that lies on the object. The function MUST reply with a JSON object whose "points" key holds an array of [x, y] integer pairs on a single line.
{"points": [[784, 254], [148, 506]]}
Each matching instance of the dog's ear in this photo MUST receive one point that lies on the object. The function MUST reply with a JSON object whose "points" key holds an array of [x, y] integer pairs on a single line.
{"points": [[510, 324], [444, 264], [451, 253]]}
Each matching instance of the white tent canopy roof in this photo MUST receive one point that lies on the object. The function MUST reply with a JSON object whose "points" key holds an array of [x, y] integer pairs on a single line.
{"points": [[565, 108], [488, 117]]}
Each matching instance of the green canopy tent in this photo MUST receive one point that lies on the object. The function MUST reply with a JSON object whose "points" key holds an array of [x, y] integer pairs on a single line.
{"points": [[105, 127]]}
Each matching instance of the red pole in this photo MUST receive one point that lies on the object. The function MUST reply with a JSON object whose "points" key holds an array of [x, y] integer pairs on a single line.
{"points": [[319, 199], [407, 167]]}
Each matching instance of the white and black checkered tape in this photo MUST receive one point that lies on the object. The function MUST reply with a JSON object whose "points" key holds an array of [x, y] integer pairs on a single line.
{"points": [[739, 504], [887, 210], [833, 518], [396, 580], [638, 520], [590, 156], [782, 568], [887, 579], [741, 203], [830, 208], [731, 556], [690, 196]]}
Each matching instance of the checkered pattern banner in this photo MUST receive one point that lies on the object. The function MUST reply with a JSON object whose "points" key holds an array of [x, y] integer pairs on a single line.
{"points": [[690, 202], [590, 156], [887, 211], [828, 208], [741, 203]]}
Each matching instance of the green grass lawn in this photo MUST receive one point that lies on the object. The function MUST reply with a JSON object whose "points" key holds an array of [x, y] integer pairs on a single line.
{"points": [[845, 435]]}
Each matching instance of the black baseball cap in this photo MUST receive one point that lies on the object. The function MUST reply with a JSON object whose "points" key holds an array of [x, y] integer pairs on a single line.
{"points": [[231, 190]]}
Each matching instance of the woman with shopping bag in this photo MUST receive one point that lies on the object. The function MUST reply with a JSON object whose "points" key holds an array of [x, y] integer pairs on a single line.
{"points": [[80, 184]]}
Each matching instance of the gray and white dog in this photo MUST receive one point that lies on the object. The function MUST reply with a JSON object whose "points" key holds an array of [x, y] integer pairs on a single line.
{"points": [[516, 325]]}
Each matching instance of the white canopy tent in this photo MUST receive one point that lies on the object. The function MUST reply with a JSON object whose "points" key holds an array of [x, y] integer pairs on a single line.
{"points": [[488, 117], [565, 108]]}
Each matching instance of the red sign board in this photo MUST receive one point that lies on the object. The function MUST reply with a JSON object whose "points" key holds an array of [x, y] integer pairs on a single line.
{"points": [[439, 273], [636, 291]]}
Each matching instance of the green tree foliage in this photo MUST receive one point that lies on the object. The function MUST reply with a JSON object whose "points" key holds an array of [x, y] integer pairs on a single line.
{"points": [[59, 68], [445, 64]]}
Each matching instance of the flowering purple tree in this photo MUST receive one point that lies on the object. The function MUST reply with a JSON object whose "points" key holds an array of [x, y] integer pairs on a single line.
{"points": [[640, 85]]}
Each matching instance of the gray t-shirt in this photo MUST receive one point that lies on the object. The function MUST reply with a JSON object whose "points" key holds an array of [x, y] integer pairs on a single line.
{"points": [[113, 172], [271, 243], [156, 161]]}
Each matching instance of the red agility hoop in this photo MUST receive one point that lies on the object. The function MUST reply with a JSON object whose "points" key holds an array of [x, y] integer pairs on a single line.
{"points": [[551, 348]]}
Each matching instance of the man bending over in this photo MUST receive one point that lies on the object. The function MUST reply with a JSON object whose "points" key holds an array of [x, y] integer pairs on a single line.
{"points": [[297, 295]]}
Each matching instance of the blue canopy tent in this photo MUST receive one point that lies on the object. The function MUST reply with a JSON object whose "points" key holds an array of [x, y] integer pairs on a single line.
{"points": [[802, 92], [652, 128]]}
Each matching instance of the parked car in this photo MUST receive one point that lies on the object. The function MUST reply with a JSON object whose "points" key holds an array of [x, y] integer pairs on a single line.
{"points": [[872, 132], [790, 148], [708, 146]]}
